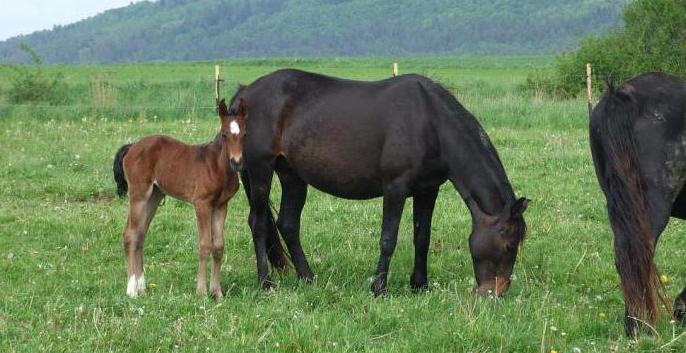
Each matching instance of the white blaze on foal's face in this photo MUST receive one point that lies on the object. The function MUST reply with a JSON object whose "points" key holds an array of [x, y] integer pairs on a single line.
{"points": [[234, 127]]}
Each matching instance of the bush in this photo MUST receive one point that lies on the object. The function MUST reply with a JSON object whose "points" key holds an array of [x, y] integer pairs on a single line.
{"points": [[653, 39], [31, 84]]}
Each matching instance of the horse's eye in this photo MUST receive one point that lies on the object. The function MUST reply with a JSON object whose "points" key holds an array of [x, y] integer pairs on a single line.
{"points": [[224, 135]]}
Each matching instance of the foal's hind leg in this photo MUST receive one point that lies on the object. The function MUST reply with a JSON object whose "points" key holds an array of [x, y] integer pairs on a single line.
{"points": [[218, 218], [143, 202], [423, 209], [293, 195], [203, 216]]}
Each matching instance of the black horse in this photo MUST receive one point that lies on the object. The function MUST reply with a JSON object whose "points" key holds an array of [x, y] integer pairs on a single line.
{"points": [[638, 144], [397, 138]]}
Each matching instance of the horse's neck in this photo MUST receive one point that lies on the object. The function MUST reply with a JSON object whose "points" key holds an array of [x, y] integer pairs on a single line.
{"points": [[475, 169]]}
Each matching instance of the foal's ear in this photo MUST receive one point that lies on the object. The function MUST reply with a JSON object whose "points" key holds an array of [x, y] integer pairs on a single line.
{"points": [[519, 207], [242, 107], [222, 110]]}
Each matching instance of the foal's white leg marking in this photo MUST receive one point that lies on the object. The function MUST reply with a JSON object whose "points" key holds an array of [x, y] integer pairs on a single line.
{"points": [[234, 128], [140, 283], [131, 287]]}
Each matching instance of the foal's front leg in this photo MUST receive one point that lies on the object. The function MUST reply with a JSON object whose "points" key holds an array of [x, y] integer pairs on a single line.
{"points": [[393, 204], [203, 215], [218, 218]]}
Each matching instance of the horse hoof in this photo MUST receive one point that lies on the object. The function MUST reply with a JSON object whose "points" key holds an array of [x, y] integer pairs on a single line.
{"points": [[419, 282], [308, 276], [379, 287], [680, 311], [267, 284]]}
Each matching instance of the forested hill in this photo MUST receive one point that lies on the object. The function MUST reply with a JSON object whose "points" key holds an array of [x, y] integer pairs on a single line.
{"points": [[173, 30]]}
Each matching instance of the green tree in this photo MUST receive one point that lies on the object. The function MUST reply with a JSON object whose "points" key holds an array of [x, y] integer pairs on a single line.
{"points": [[653, 39]]}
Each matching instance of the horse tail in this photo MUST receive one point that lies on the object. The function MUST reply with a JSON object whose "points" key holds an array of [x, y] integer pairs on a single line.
{"points": [[275, 250], [118, 170], [634, 243]]}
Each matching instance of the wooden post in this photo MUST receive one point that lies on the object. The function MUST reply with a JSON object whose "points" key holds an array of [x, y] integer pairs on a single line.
{"points": [[395, 68], [216, 83], [589, 92]]}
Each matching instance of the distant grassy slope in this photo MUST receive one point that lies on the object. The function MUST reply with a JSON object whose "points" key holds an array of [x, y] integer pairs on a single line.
{"points": [[210, 29]]}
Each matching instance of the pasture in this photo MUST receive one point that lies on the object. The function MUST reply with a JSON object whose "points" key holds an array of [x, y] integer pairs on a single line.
{"points": [[62, 261]]}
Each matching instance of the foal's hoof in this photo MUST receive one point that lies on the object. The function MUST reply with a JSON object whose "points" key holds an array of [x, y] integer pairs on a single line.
{"points": [[217, 294], [419, 282]]}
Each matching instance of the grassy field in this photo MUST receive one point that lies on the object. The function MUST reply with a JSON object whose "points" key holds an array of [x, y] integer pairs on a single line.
{"points": [[61, 255]]}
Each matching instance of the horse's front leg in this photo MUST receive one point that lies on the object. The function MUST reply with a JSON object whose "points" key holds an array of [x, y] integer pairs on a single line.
{"points": [[203, 216], [393, 204], [218, 218], [423, 209]]}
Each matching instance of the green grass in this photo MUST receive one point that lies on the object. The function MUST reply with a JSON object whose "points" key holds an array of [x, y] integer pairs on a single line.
{"points": [[62, 264]]}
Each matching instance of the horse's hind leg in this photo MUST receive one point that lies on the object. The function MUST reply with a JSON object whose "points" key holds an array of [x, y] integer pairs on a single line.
{"points": [[218, 218], [680, 307], [393, 204], [143, 202], [293, 196], [203, 216], [423, 208], [260, 222]]}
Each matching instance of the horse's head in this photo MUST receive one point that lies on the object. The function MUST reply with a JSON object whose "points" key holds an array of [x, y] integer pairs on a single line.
{"points": [[233, 130], [494, 243]]}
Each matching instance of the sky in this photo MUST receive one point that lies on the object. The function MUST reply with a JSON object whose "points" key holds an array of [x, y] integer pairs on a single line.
{"points": [[26, 16]]}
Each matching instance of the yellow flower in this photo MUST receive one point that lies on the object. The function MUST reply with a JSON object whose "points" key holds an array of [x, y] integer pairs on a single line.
{"points": [[602, 315], [152, 285], [664, 279], [553, 351]]}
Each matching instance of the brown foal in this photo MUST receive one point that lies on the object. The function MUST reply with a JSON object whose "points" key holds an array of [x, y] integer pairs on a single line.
{"points": [[204, 175]]}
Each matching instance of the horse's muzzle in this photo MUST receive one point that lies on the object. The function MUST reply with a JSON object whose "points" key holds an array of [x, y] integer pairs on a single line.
{"points": [[237, 166], [495, 288]]}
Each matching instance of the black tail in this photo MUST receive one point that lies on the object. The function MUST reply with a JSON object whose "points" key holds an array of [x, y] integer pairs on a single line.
{"points": [[616, 153], [118, 170], [275, 250]]}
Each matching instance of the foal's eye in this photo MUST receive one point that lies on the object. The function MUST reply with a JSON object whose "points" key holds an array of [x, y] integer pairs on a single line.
{"points": [[224, 135]]}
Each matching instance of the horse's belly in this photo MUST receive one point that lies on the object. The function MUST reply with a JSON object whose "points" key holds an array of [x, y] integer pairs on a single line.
{"points": [[345, 179]]}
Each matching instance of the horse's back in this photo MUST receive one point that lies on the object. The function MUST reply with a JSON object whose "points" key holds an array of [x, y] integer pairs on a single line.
{"points": [[343, 136]]}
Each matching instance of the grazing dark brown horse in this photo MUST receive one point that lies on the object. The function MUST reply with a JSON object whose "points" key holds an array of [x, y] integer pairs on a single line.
{"points": [[159, 165], [396, 138], [638, 142]]}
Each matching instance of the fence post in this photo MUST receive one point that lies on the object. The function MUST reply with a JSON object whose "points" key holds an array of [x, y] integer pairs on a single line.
{"points": [[216, 83], [395, 68], [589, 91]]}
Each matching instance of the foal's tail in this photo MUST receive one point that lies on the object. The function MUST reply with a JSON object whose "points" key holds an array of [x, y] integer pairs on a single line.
{"points": [[275, 251], [118, 170]]}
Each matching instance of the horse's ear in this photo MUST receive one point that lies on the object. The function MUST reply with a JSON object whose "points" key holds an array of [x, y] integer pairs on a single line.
{"points": [[242, 107], [222, 110], [519, 207]]}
